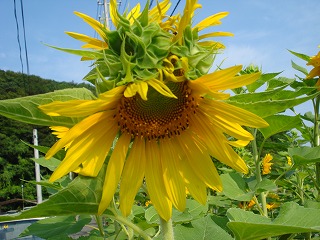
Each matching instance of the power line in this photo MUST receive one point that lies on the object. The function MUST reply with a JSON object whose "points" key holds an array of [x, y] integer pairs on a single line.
{"points": [[25, 39], [18, 36], [150, 4], [175, 7]]}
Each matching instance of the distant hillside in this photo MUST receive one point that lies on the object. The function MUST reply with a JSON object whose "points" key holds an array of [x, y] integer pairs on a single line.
{"points": [[13, 84], [15, 163]]}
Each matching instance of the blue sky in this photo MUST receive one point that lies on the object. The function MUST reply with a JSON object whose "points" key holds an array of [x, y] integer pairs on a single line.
{"points": [[264, 30]]}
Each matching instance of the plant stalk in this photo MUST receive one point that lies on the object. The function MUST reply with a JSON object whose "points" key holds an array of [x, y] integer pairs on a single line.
{"points": [[166, 229], [129, 224], [256, 158], [317, 138]]}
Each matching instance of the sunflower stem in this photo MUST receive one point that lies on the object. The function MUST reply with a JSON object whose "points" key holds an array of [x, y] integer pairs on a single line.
{"points": [[100, 225], [129, 224], [166, 229], [256, 157], [317, 138]]}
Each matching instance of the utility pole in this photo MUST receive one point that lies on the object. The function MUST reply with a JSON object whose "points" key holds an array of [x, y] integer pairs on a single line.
{"points": [[106, 12], [37, 166]]}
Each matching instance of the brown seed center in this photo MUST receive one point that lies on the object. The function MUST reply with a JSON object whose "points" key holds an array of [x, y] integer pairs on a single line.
{"points": [[159, 116]]}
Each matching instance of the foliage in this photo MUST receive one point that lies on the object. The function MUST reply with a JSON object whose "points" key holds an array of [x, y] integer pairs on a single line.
{"points": [[285, 185], [283, 203], [16, 168]]}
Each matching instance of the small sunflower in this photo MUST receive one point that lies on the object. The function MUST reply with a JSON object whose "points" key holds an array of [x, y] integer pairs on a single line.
{"points": [[315, 62], [315, 72], [266, 164], [160, 115]]}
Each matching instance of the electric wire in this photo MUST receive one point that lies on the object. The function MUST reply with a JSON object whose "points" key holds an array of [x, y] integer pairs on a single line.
{"points": [[175, 7], [151, 4], [24, 38], [18, 35]]}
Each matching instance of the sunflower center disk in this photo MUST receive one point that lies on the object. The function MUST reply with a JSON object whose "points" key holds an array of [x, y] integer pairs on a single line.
{"points": [[159, 116]]}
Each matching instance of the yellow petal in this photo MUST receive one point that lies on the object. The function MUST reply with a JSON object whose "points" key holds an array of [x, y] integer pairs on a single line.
{"points": [[212, 44], [173, 181], [134, 13], [200, 161], [155, 182], [74, 108], [92, 42], [188, 12], [231, 128], [212, 20], [91, 145], [114, 170], [160, 87], [232, 113], [133, 88], [239, 143], [216, 34], [211, 80], [59, 131], [113, 12], [77, 130], [82, 108], [159, 11], [132, 175], [217, 144], [194, 184], [96, 25]]}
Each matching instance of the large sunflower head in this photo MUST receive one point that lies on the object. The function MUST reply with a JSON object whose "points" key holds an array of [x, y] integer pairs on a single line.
{"points": [[150, 45], [160, 109]]}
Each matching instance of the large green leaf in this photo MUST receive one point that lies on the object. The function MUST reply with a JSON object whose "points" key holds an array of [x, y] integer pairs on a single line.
{"points": [[292, 219], [234, 187], [279, 123], [57, 227], [304, 155], [26, 109], [201, 229], [265, 185], [264, 78], [268, 103], [193, 210], [81, 196]]}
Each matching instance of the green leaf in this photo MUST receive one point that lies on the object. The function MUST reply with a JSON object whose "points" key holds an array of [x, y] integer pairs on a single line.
{"points": [[201, 229], [47, 184], [280, 123], [58, 156], [265, 185], [51, 163], [152, 216], [304, 155], [235, 187], [299, 68], [26, 109], [291, 219], [60, 226], [81, 196], [279, 82], [268, 103], [301, 55], [264, 78], [220, 201], [82, 53], [309, 116]]}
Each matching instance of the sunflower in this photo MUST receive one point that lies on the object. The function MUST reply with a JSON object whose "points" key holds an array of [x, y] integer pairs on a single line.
{"points": [[315, 62], [160, 116], [266, 164]]}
